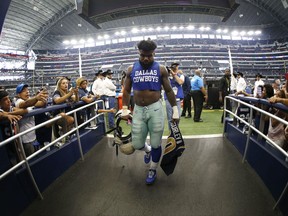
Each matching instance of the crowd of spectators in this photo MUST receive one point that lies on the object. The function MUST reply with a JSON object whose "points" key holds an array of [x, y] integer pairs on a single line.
{"points": [[274, 92], [13, 110]]}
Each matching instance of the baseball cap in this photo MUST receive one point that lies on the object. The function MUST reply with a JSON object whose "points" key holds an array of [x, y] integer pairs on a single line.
{"points": [[239, 73], [98, 72], [102, 72], [20, 88], [109, 71], [259, 75], [174, 64]]}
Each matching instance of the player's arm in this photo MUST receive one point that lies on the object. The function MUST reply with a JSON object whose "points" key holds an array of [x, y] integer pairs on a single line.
{"points": [[126, 92]]}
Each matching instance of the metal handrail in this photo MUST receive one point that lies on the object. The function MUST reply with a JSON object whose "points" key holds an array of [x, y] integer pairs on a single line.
{"points": [[26, 159], [251, 127], [250, 120]]}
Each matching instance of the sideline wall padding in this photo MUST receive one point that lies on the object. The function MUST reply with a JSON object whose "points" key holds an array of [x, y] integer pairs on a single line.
{"points": [[17, 190], [269, 164]]}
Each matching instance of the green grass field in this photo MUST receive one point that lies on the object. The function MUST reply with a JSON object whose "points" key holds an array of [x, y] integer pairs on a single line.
{"points": [[211, 124]]}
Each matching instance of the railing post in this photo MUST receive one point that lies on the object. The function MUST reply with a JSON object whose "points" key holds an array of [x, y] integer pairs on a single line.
{"points": [[248, 136], [281, 196], [224, 114], [78, 135], [28, 166], [261, 123]]}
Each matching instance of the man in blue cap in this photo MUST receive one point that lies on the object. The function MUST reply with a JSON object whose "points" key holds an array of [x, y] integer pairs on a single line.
{"points": [[24, 101]]}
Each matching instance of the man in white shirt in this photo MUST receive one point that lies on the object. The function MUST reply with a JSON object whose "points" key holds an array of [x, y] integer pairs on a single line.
{"points": [[98, 87], [110, 92], [241, 83], [259, 82]]}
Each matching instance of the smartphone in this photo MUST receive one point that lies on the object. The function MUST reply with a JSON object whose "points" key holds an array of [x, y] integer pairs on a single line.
{"points": [[259, 91], [73, 84]]}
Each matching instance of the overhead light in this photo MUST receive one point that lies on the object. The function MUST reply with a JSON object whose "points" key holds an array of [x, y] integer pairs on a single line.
{"points": [[73, 41], [250, 32], [166, 28], [82, 41], [202, 28], [90, 40], [134, 30], [258, 32], [66, 42], [241, 15], [190, 27], [235, 32]]}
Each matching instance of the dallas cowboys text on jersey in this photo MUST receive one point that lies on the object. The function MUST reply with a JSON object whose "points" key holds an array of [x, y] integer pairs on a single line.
{"points": [[146, 79], [145, 76]]}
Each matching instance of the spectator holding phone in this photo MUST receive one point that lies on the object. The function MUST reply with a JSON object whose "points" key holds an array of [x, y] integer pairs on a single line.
{"points": [[87, 97], [257, 92], [64, 95]]}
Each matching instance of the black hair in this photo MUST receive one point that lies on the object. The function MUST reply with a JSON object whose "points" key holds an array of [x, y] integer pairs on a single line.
{"points": [[3, 94], [168, 69], [147, 45], [269, 90]]}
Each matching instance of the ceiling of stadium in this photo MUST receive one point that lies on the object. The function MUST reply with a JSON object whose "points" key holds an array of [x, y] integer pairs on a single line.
{"points": [[44, 24]]}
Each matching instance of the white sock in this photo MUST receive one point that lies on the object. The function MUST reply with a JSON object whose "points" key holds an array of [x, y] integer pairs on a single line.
{"points": [[147, 148], [153, 165]]}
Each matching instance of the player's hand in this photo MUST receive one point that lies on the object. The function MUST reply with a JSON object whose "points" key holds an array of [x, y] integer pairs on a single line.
{"points": [[125, 114]]}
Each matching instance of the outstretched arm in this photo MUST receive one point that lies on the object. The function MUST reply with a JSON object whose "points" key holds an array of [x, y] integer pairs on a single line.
{"points": [[169, 92]]}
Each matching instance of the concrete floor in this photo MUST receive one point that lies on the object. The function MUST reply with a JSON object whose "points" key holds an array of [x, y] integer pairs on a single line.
{"points": [[209, 180]]}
